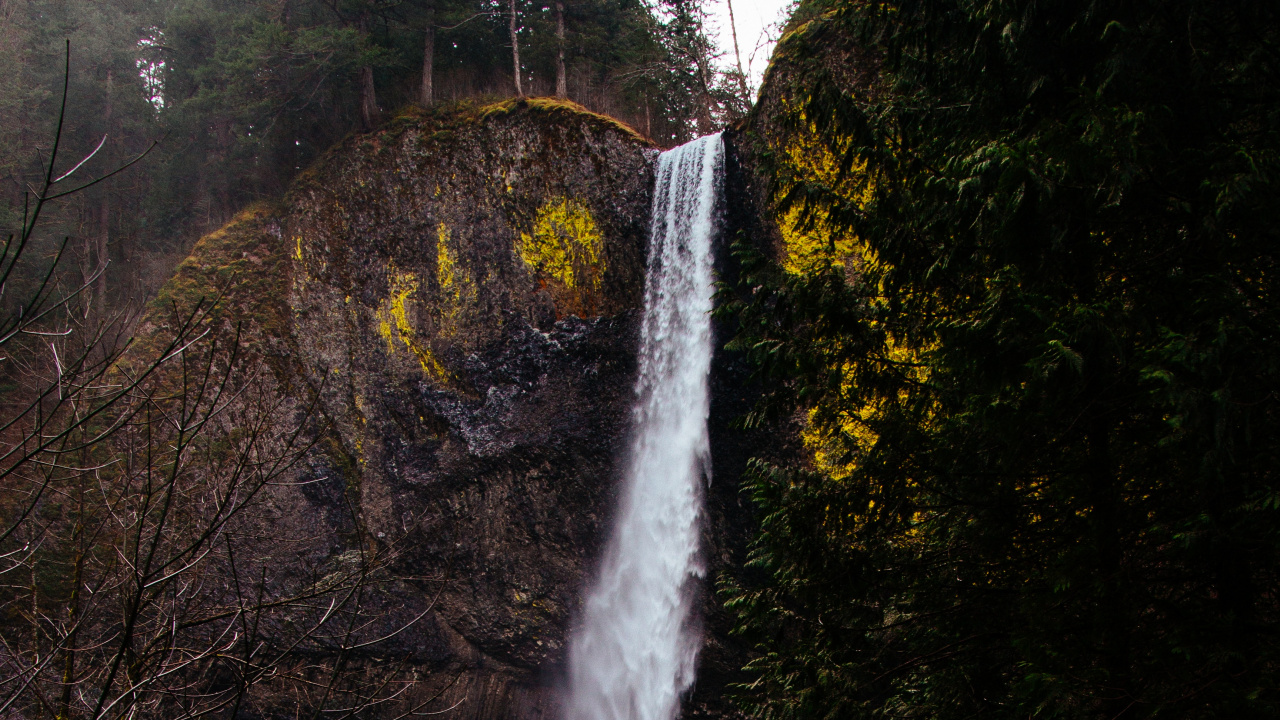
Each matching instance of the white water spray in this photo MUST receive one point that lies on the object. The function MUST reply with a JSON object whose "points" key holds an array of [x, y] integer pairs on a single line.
{"points": [[635, 653]]}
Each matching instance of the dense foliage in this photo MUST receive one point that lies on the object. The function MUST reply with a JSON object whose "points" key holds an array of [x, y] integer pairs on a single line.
{"points": [[1027, 298]]}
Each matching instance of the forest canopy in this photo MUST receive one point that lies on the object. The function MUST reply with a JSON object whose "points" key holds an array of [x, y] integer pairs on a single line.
{"points": [[239, 96]]}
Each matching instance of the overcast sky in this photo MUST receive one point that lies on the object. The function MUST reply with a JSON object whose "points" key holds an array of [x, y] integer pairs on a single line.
{"points": [[759, 23]]}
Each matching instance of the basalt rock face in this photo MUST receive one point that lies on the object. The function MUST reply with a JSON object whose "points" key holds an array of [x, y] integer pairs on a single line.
{"points": [[464, 304], [451, 307]]}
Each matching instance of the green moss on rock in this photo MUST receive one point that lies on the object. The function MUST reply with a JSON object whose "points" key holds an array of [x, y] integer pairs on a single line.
{"points": [[557, 110], [449, 304], [239, 272]]}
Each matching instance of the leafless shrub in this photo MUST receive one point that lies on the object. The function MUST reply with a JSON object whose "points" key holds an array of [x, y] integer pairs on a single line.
{"points": [[148, 565]]}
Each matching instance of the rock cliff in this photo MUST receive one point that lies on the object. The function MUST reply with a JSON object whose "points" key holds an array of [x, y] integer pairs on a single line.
{"points": [[451, 305]]}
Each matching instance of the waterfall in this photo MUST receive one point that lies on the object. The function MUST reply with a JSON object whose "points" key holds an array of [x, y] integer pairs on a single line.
{"points": [[634, 654]]}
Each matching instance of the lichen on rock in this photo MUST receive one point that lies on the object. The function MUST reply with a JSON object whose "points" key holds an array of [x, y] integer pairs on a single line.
{"points": [[564, 252], [454, 300], [394, 323], [809, 244]]}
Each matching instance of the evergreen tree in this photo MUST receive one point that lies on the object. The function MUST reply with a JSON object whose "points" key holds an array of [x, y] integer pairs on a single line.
{"points": [[1027, 297]]}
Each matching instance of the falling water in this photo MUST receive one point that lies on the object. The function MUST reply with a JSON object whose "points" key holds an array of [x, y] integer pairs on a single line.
{"points": [[635, 652]]}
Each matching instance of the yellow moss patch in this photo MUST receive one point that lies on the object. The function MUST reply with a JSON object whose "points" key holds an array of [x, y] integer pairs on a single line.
{"points": [[446, 262], [565, 245], [456, 287], [839, 433], [809, 250], [810, 244], [394, 324], [555, 106], [829, 442]]}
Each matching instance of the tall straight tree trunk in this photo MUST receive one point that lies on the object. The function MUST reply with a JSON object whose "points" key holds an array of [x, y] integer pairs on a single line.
{"points": [[368, 94], [100, 252], [429, 58], [515, 50], [368, 98], [562, 83], [90, 226], [104, 234], [428, 67], [218, 205], [73, 607], [704, 95], [737, 54]]}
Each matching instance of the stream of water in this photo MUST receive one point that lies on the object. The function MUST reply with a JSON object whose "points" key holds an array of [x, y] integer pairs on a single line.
{"points": [[635, 652]]}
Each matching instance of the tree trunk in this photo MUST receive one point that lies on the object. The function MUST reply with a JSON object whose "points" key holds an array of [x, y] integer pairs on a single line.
{"points": [[562, 83], [88, 242], [100, 253], [73, 607], [428, 67], [368, 98], [429, 58], [104, 234], [704, 96], [368, 94], [737, 54], [515, 50]]}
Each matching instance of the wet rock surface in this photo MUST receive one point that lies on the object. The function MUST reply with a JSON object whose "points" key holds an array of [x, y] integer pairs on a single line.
{"points": [[479, 388], [452, 306]]}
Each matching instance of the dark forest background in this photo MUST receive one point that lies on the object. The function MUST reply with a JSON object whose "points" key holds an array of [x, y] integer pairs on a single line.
{"points": [[238, 96], [1022, 298]]}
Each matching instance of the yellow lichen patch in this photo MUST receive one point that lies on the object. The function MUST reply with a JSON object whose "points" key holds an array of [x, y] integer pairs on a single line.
{"points": [[565, 252], [455, 285], [394, 324], [835, 446], [809, 242], [807, 250], [840, 433], [565, 245], [446, 264]]}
